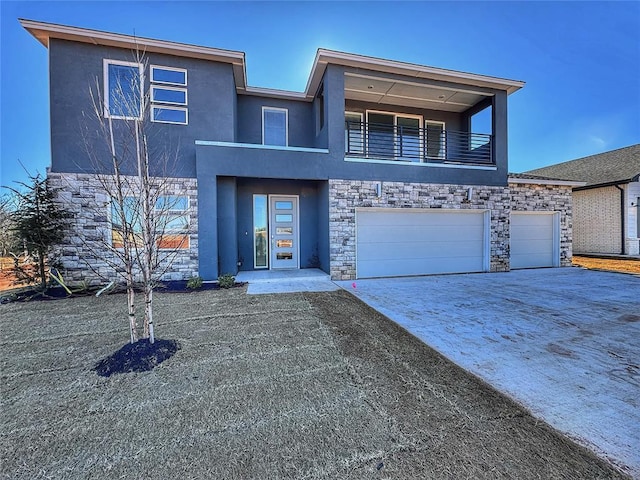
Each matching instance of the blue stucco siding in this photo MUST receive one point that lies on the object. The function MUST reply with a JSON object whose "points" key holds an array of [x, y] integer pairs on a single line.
{"points": [[300, 116], [76, 68], [207, 228], [311, 210], [323, 226], [227, 232]]}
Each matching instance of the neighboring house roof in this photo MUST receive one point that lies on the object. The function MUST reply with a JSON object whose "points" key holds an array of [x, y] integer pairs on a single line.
{"points": [[540, 180], [43, 31], [608, 168]]}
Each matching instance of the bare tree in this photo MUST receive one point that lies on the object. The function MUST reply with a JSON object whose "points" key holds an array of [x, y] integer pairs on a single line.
{"points": [[9, 242], [146, 233]]}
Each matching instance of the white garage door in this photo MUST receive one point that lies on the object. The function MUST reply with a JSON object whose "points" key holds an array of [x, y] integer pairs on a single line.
{"points": [[535, 239], [395, 242]]}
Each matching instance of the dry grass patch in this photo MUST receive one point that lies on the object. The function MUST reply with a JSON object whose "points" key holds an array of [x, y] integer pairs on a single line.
{"points": [[275, 386], [609, 264]]}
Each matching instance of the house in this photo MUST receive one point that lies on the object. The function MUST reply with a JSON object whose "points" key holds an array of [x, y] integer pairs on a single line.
{"points": [[375, 169], [605, 208]]}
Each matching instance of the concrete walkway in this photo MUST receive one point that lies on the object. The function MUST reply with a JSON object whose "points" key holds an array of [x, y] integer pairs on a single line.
{"points": [[286, 281], [565, 343]]}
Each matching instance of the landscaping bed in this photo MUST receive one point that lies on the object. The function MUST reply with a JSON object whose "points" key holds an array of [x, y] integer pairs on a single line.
{"points": [[308, 385]]}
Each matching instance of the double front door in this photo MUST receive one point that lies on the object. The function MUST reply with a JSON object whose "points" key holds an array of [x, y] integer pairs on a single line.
{"points": [[277, 243]]}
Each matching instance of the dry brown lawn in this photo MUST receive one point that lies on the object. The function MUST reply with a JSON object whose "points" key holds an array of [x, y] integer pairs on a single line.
{"points": [[609, 264], [266, 387]]}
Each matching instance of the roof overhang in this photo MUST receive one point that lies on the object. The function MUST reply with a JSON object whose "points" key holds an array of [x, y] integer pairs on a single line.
{"points": [[546, 181], [608, 184], [420, 72], [43, 32]]}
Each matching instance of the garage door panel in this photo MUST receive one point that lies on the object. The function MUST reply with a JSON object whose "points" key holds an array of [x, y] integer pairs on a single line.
{"points": [[438, 265], [544, 232], [417, 250], [422, 233], [405, 218], [532, 247], [397, 243]]}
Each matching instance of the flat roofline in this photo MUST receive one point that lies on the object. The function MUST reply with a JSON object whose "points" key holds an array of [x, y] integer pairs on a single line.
{"points": [[326, 57], [44, 31]]}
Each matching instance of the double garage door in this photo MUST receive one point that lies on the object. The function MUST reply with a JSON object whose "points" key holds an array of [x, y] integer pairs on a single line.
{"points": [[395, 242]]}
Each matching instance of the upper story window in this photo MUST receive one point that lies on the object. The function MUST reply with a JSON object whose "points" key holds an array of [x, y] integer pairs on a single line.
{"points": [[275, 126], [169, 75], [123, 89], [353, 133], [435, 138], [169, 95]]}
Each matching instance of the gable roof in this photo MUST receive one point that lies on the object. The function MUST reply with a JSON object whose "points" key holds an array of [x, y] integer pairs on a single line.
{"points": [[541, 180], [44, 31], [617, 166]]}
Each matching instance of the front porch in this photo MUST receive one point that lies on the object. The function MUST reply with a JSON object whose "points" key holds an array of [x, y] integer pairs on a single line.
{"points": [[286, 281]]}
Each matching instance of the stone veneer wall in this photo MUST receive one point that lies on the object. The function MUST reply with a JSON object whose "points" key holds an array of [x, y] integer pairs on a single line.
{"points": [[86, 256], [548, 198], [346, 195]]}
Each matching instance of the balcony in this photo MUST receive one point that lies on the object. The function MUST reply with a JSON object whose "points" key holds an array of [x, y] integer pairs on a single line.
{"points": [[402, 143]]}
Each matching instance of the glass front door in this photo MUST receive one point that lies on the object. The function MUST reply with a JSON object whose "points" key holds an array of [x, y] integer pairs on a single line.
{"points": [[283, 229]]}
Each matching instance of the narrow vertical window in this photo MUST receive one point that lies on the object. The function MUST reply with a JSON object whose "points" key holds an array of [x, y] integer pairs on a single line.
{"points": [[435, 140], [275, 129], [260, 233], [353, 133], [122, 90]]}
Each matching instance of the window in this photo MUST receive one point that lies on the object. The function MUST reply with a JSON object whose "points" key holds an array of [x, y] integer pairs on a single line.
{"points": [[168, 75], [320, 107], [275, 129], [394, 136], [176, 96], [122, 89], [435, 140], [166, 114], [172, 222], [169, 95], [353, 133], [260, 231], [126, 221]]}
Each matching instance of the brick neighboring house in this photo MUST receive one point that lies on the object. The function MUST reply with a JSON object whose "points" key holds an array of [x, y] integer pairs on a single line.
{"points": [[605, 209], [373, 170]]}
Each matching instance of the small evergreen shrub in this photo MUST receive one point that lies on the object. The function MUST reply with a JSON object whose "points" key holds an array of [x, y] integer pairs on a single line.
{"points": [[194, 283], [226, 281]]}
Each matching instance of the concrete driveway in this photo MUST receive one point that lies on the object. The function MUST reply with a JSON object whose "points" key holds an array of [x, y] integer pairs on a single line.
{"points": [[563, 342]]}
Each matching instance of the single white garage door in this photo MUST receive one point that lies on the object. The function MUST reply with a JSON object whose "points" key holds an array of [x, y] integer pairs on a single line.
{"points": [[399, 242], [535, 239]]}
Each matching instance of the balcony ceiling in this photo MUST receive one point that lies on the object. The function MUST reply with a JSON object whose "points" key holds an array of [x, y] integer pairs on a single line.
{"points": [[408, 94]]}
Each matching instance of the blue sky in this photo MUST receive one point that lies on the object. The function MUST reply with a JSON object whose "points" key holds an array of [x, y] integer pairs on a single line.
{"points": [[581, 60]]}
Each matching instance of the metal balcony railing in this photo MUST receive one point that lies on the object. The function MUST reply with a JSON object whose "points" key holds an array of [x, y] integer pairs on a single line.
{"points": [[411, 144]]}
